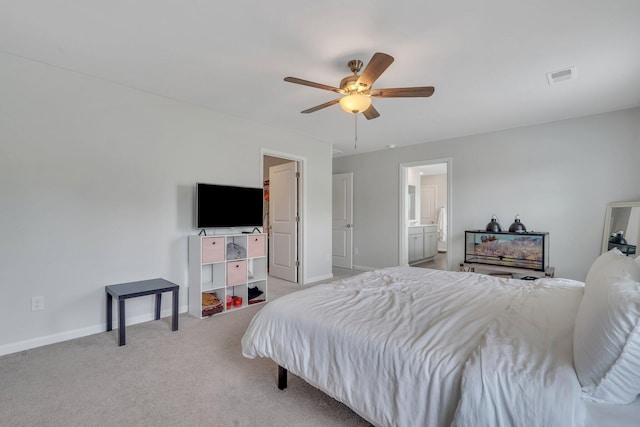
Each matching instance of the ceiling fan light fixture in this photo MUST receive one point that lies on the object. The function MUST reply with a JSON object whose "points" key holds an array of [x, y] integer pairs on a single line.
{"points": [[355, 103], [357, 89]]}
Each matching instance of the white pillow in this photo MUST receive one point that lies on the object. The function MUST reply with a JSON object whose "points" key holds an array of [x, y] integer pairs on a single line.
{"points": [[606, 340]]}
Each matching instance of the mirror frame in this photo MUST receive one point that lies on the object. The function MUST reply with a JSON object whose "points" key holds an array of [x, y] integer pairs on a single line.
{"points": [[607, 221]]}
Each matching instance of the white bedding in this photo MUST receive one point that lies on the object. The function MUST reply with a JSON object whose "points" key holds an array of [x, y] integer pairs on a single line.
{"points": [[523, 368], [602, 415], [409, 346]]}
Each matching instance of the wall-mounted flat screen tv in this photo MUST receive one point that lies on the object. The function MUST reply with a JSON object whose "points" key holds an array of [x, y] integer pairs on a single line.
{"points": [[228, 206]]}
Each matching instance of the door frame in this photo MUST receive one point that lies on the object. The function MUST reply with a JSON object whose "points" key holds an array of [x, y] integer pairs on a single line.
{"points": [[302, 201], [403, 241]]}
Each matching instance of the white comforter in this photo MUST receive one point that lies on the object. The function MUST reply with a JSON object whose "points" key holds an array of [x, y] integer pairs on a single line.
{"points": [[408, 346]]}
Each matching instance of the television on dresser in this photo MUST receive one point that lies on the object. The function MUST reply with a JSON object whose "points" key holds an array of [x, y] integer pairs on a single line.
{"points": [[228, 206]]}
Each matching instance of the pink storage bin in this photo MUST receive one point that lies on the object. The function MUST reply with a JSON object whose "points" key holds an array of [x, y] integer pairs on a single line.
{"points": [[256, 246], [236, 272], [212, 249]]}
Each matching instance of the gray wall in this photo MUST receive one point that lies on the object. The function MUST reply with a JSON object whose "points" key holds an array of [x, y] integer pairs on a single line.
{"points": [[96, 187], [557, 176]]}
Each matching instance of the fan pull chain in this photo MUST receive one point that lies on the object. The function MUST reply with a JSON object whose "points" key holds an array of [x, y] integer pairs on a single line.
{"points": [[355, 142]]}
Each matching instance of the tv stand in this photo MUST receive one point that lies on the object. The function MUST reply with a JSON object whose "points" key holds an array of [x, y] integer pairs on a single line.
{"points": [[510, 271], [255, 230], [226, 272]]}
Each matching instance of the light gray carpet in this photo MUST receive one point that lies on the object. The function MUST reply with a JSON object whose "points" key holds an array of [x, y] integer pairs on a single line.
{"points": [[195, 376]]}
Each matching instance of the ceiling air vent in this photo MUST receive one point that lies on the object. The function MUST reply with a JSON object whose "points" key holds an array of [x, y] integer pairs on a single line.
{"points": [[561, 75]]}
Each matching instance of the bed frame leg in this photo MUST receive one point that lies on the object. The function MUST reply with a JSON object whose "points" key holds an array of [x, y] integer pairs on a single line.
{"points": [[282, 378]]}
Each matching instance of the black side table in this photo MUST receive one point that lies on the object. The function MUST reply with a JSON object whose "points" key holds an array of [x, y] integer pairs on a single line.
{"points": [[124, 291]]}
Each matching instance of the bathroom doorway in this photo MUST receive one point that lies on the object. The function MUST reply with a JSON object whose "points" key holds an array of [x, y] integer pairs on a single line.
{"points": [[425, 204]]}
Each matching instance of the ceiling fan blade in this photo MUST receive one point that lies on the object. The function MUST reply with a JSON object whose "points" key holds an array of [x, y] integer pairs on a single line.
{"points": [[312, 84], [403, 92], [371, 113], [376, 66], [321, 106]]}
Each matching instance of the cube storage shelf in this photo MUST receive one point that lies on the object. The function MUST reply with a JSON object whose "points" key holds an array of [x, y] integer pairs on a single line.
{"points": [[225, 271]]}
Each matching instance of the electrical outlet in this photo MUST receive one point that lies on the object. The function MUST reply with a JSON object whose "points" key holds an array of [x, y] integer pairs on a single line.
{"points": [[37, 303], [355, 251]]}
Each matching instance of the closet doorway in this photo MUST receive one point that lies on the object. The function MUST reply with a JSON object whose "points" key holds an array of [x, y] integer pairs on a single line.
{"points": [[282, 181], [425, 190]]}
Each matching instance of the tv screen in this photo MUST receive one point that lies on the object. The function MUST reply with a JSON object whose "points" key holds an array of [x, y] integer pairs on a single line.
{"points": [[228, 206]]}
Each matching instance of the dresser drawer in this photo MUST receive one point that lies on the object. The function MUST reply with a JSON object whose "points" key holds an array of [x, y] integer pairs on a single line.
{"points": [[236, 272], [256, 245], [415, 230], [212, 249]]}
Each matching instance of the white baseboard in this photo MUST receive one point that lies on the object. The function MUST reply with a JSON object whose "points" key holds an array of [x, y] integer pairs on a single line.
{"points": [[50, 339], [78, 333], [317, 278]]}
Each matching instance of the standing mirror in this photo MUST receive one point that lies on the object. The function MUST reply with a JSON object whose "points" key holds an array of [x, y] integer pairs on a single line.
{"points": [[622, 227]]}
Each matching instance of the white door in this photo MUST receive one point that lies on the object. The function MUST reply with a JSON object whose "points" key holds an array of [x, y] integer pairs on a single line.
{"points": [[283, 221], [342, 236], [428, 200]]}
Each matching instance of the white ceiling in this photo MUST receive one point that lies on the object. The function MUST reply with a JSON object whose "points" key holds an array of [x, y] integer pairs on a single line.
{"points": [[487, 59]]}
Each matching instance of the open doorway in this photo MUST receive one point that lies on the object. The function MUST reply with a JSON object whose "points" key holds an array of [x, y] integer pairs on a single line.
{"points": [[282, 181], [425, 214]]}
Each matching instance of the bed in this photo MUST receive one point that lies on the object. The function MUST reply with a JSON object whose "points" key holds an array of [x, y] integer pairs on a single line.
{"points": [[408, 346]]}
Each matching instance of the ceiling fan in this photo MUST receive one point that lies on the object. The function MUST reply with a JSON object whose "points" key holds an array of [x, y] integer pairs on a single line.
{"points": [[357, 88]]}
